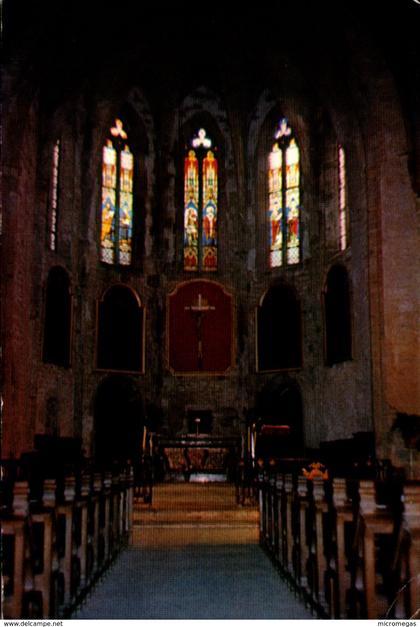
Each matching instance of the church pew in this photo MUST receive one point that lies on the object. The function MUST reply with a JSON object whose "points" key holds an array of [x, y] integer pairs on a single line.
{"points": [[80, 549], [113, 516], [344, 519], [322, 532], [372, 521], [129, 497], [288, 522], [347, 553], [106, 516], [260, 486], [311, 562], [14, 534], [277, 525], [93, 528], [45, 579], [40, 577], [411, 524], [300, 542], [51, 546], [65, 511], [282, 510], [271, 513]]}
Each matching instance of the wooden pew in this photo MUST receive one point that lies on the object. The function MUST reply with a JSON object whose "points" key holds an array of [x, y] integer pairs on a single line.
{"points": [[320, 509], [287, 533], [42, 561], [301, 544], [14, 549], [344, 524], [348, 553], [411, 521], [372, 521], [64, 514]]}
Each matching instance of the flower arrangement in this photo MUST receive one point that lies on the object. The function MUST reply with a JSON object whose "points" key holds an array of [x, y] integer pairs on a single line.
{"points": [[316, 470]]}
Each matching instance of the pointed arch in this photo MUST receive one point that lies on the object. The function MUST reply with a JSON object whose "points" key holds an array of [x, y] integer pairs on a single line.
{"points": [[284, 198], [343, 211], [120, 330], [117, 198], [279, 330], [200, 203], [57, 319], [54, 195], [203, 128]]}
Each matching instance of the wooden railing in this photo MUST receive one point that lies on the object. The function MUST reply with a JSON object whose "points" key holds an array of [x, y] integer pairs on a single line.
{"points": [[351, 548], [55, 547]]}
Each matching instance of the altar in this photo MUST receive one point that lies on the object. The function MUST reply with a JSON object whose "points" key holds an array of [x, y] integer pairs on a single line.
{"points": [[199, 458]]}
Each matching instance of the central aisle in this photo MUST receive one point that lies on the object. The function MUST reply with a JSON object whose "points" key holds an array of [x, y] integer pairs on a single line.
{"points": [[195, 555]]}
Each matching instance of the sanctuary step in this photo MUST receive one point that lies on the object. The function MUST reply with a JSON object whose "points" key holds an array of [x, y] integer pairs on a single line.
{"points": [[193, 513]]}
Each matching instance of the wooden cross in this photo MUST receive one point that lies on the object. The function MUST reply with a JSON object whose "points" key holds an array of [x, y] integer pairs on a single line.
{"points": [[199, 309]]}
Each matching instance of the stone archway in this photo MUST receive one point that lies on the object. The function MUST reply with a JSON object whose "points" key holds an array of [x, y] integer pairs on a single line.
{"points": [[118, 419]]}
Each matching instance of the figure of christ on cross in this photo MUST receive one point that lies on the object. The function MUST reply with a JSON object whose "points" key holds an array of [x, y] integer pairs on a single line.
{"points": [[198, 310]]}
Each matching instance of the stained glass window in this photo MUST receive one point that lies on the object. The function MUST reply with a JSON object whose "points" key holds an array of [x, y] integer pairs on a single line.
{"points": [[200, 205], [55, 164], [342, 200], [284, 198], [117, 198]]}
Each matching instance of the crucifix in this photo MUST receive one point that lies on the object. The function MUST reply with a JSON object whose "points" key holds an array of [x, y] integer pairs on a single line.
{"points": [[198, 310]]}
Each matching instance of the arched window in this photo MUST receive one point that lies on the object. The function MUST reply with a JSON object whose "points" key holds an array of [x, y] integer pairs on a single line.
{"points": [[117, 198], [279, 330], [343, 225], [337, 316], [284, 198], [120, 331], [200, 205], [57, 322], [53, 195]]}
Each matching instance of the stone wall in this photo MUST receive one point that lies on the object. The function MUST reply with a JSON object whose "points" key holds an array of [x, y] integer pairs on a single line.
{"points": [[343, 94]]}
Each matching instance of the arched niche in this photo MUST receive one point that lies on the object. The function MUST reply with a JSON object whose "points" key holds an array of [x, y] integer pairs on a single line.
{"points": [[120, 331], [126, 211], [57, 319], [198, 225], [279, 330]]}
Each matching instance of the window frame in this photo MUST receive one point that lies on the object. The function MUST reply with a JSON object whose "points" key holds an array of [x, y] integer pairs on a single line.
{"points": [[55, 161], [118, 142], [283, 137], [201, 153]]}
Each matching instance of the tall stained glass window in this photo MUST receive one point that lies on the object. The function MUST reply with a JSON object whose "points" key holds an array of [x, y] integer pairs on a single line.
{"points": [[200, 205], [342, 200], [117, 198], [284, 198], [53, 204]]}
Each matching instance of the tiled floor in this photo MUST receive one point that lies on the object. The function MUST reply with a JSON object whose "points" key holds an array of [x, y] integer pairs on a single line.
{"points": [[196, 567], [200, 581]]}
